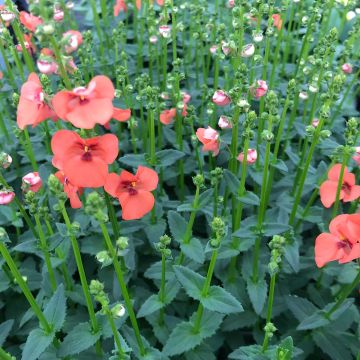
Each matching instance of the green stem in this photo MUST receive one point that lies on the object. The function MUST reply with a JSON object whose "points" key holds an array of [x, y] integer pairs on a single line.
{"points": [[124, 291], [152, 137], [115, 332], [162, 288], [205, 291], [59, 60], [26, 291], [269, 310], [80, 266], [4, 355], [30, 150], [44, 248], [339, 185]]}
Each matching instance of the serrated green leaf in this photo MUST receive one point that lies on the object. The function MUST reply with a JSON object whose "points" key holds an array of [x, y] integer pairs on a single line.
{"points": [[36, 343], [231, 181], [218, 299], [194, 250], [251, 352], [80, 338], [192, 282], [271, 229], [56, 308], [249, 198], [300, 307], [5, 329], [150, 305], [183, 338], [258, 293], [177, 225], [285, 349], [201, 352], [169, 157], [133, 160]]}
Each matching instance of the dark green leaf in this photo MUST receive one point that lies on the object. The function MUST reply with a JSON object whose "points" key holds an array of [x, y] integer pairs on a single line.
{"points": [[192, 282], [5, 329], [271, 229], [133, 160], [177, 225], [169, 156], [218, 299], [194, 250], [80, 338], [258, 293], [56, 308], [249, 198], [36, 343], [231, 181], [285, 349]]}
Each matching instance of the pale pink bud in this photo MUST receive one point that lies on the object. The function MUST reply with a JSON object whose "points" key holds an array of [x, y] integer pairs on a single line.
{"points": [[7, 15], [5, 160], [231, 3], [47, 67], [153, 39], [69, 5], [221, 98], [165, 96], [32, 182], [213, 49], [248, 50], [303, 95], [259, 89], [250, 158], [224, 122], [347, 68], [226, 49], [186, 97], [165, 31], [315, 122], [73, 39], [58, 15], [356, 157], [6, 197]]}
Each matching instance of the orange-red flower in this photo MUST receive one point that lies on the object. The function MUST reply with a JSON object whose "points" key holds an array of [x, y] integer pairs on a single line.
{"points": [[119, 6], [87, 106], [70, 190], [209, 138], [342, 243], [349, 191], [31, 22], [32, 108], [133, 191], [277, 21], [167, 116], [84, 162]]}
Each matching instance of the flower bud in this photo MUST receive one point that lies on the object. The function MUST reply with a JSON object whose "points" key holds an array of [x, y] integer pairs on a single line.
{"points": [[165, 31], [118, 310], [221, 98], [250, 158], [347, 68], [31, 182], [122, 242], [224, 122], [5, 160], [259, 89], [6, 197], [248, 50]]}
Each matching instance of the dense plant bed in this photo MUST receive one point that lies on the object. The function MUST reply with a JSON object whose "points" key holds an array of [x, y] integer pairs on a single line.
{"points": [[179, 179]]}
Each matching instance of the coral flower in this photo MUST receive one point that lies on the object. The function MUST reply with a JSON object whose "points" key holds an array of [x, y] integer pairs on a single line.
{"points": [[32, 108], [133, 191], [277, 21], [6, 197], [356, 157], [119, 6], [87, 106], [250, 158], [167, 116], [209, 138], [349, 191], [31, 182], [221, 98], [70, 190], [72, 39], [29, 45], [84, 161], [31, 22], [342, 243]]}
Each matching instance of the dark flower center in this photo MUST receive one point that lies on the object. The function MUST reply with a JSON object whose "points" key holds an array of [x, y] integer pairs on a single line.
{"points": [[130, 187], [86, 156], [346, 187]]}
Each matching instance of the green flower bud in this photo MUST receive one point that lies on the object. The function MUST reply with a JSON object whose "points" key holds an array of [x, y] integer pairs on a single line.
{"points": [[122, 242], [199, 180]]}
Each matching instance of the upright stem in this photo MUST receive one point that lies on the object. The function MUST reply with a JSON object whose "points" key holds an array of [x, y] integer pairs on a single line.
{"points": [[26, 291], [124, 291], [80, 266], [340, 183], [45, 250], [269, 310]]}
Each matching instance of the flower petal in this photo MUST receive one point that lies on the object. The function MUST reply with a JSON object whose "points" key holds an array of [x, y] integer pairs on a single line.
{"points": [[147, 178], [328, 192], [121, 114], [112, 184], [326, 249], [136, 206]]}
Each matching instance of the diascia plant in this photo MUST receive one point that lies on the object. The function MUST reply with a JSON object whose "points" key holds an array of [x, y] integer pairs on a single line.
{"points": [[179, 179]]}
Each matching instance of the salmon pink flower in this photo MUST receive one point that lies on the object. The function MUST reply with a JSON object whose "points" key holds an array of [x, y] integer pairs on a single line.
{"points": [[87, 106], [133, 191], [221, 98], [356, 157], [84, 161], [31, 182], [6, 197], [277, 21], [71, 39], [32, 108], [349, 191], [250, 158], [29, 45], [167, 116], [347, 68], [46, 62], [70, 190], [210, 139], [186, 97], [342, 243], [31, 22], [224, 122], [119, 6], [259, 89], [58, 15]]}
